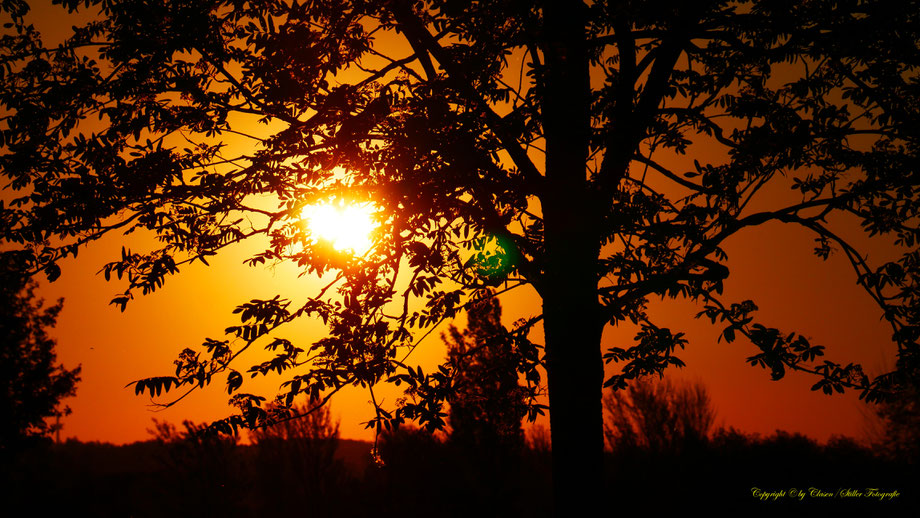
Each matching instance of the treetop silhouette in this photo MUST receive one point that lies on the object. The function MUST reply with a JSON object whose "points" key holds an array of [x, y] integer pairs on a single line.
{"points": [[601, 153], [32, 383], [488, 403], [658, 416]]}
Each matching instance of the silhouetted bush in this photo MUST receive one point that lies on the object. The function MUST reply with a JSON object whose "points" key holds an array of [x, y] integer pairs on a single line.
{"points": [[205, 474], [898, 422], [658, 416], [539, 440], [297, 465], [421, 474]]}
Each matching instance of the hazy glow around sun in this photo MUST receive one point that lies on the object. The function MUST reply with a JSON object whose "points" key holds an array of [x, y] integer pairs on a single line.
{"points": [[347, 227]]}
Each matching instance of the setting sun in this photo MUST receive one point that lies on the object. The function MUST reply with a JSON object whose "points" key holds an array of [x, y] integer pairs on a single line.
{"points": [[348, 227]]}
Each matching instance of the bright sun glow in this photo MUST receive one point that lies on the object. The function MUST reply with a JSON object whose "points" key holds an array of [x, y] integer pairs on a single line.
{"points": [[348, 227]]}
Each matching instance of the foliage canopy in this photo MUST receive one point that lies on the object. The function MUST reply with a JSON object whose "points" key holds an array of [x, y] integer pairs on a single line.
{"points": [[32, 383], [601, 153]]}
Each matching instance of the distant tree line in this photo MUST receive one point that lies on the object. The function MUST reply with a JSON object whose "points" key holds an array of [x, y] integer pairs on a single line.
{"points": [[307, 470]]}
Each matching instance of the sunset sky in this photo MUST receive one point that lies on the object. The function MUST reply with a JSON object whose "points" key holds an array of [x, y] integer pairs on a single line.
{"points": [[773, 265]]}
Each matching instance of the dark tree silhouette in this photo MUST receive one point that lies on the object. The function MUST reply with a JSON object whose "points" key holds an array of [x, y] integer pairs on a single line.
{"points": [[601, 153], [487, 404], [205, 472], [658, 416], [32, 383], [297, 462], [897, 420]]}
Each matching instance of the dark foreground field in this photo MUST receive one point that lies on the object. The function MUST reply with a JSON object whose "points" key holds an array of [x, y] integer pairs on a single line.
{"points": [[418, 475]]}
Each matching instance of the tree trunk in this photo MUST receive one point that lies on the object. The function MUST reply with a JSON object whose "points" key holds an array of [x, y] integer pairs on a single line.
{"points": [[572, 242], [575, 377]]}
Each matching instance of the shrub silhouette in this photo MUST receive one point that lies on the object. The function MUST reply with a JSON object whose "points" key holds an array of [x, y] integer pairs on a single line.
{"points": [[204, 471], [297, 465], [659, 416], [898, 423]]}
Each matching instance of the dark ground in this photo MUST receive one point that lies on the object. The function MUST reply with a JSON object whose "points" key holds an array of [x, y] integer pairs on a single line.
{"points": [[421, 476]]}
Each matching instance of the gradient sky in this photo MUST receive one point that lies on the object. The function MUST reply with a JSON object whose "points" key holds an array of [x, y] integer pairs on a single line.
{"points": [[773, 265]]}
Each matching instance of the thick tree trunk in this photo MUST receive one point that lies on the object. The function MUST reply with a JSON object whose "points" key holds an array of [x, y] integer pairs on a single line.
{"points": [[570, 303], [575, 375]]}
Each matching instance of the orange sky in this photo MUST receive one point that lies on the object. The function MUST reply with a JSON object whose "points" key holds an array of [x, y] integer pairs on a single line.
{"points": [[773, 265]]}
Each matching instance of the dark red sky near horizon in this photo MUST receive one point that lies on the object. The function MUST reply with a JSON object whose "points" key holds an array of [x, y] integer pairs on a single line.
{"points": [[772, 265]]}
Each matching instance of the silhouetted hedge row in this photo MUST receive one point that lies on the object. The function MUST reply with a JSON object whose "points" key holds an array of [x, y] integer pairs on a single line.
{"points": [[420, 475]]}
